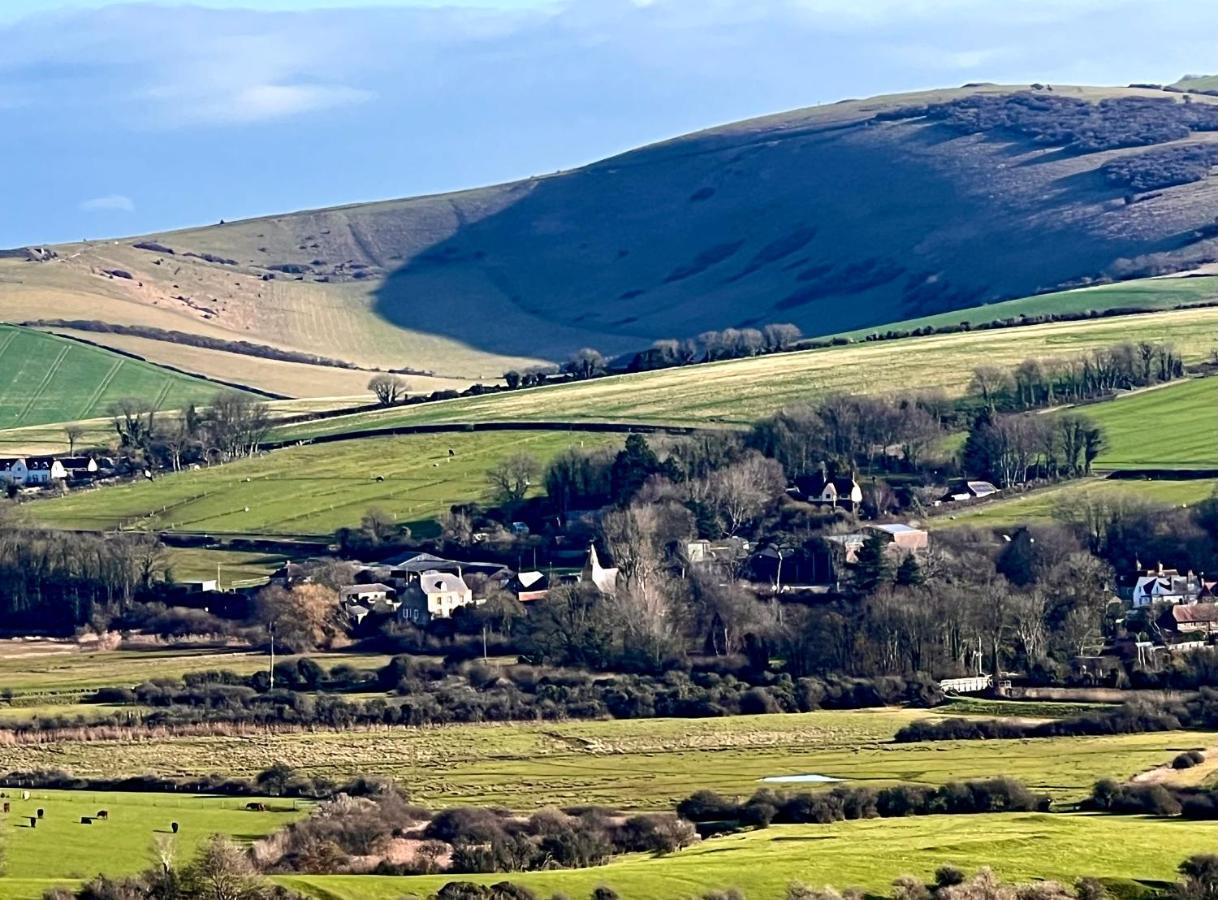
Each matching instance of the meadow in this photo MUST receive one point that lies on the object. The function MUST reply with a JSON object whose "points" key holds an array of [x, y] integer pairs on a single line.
{"points": [[51, 673], [1049, 503], [867, 853], [233, 568], [53, 379], [631, 764], [1169, 427], [740, 391], [1143, 294], [63, 850], [312, 490]]}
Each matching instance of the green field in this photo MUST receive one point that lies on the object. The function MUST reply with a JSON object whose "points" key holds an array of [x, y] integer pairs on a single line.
{"points": [[1047, 504], [62, 849], [1145, 294], [1170, 427], [50, 673], [868, 853], [741, 391], [630, 764], [234, 568], [312, 490], [52, 379]]}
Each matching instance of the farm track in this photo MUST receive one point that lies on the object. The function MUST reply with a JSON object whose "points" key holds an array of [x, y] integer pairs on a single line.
{"points": [[42, 385]]}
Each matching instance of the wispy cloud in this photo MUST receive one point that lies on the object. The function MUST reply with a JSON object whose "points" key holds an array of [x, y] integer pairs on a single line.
{"points": [[108, 203]]}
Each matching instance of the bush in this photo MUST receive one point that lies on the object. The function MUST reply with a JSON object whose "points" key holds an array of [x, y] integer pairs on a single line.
{"points": [[1188, 759]]}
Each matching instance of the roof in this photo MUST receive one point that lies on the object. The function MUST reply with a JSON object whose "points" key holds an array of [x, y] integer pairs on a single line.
{"points": [[897, 529], [440, 582], [528, 579], [1195, 613], [374, 588], [981, 487], [76, 462]]}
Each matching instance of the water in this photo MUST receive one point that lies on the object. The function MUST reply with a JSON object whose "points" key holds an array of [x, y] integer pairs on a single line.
{"points": [[800, 779]]}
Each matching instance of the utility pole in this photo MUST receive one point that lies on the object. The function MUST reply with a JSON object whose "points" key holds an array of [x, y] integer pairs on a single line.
{"points": [[271, 628]]}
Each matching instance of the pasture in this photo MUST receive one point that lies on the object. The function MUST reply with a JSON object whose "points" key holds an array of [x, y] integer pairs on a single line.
{"points": [[312, 490], [52, 673], [52, 379], [1050, 503], [233, 568], [1187, 410], [868, 853], [61, 849], [1143, 294], [630, 764], [740, 391]]}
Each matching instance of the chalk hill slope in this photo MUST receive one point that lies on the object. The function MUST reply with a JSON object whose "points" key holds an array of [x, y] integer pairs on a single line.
{"points": [[835, 217]]}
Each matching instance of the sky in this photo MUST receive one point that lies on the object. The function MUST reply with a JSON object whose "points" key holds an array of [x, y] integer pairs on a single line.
{"points": [[121, 118]]}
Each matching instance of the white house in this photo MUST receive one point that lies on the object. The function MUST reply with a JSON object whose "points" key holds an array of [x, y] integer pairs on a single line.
{"points": [[35, 470], [604, 577], [1162, 585], [821, 489], [435, 595]]}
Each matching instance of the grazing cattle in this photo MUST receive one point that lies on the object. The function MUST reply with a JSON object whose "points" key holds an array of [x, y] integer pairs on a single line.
{"points": [[8, 806], [256, 807], [40, 812], [33, 821], [173, 826], [25, 795], [85, 820], [102, 814]]}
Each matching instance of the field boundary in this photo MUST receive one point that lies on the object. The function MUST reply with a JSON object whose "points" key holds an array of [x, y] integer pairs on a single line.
{"points": [[459, 427]]}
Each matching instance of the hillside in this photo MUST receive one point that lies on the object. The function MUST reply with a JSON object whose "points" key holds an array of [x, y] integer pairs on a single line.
{"points": [[838, 217], [52, 379]]}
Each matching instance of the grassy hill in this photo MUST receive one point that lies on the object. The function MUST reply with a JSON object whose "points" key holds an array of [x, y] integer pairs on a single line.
{"points": [[839, 217], [1172, 427], [741, 391], [311, 490], [52, 379]]}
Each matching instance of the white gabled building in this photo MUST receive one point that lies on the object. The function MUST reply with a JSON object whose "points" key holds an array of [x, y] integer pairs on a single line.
{"points": [[30, 471]]}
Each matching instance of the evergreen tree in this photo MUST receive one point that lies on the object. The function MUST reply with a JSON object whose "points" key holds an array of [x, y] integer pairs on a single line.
{"points": [[634, 465], [872, 566], [909, 572]]}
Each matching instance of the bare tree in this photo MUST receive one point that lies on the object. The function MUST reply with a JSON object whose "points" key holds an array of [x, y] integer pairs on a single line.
{"points": [[585, 363], [780, 336], [510, 479], [742, 492], [73, 433], [237, 424], [389, 389]]}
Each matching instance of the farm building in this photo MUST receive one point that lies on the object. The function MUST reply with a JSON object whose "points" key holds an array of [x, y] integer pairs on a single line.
{"points": [[904, 538], [968, 490]]}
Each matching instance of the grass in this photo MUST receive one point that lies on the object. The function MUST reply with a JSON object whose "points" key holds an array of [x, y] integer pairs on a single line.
{"points": [[311, 490], [53, 379], [632, 764], [62, 850], [741, 391], [1046, 504], [236, 568], [50, 673], [1172, 427], [868, 853], [1145, 294]]}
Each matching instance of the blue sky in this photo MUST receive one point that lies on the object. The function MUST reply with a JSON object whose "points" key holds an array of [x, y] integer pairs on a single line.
{"points": [[124, 118]]}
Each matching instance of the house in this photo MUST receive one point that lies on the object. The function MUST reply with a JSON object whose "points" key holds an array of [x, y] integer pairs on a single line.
{"points": [[79, 468], [434, 595], [1191, 618], [968, 490], [1160, 585], [604, 578], [32, 471], [902, 538], [836, 492]]}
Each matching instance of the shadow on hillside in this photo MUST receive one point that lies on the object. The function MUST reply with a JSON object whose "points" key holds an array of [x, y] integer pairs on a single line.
{"points": [[682, 237]]}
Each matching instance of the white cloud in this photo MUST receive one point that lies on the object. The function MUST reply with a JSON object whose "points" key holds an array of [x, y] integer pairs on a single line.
{"points": [[235, 104], [108, 203]]}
